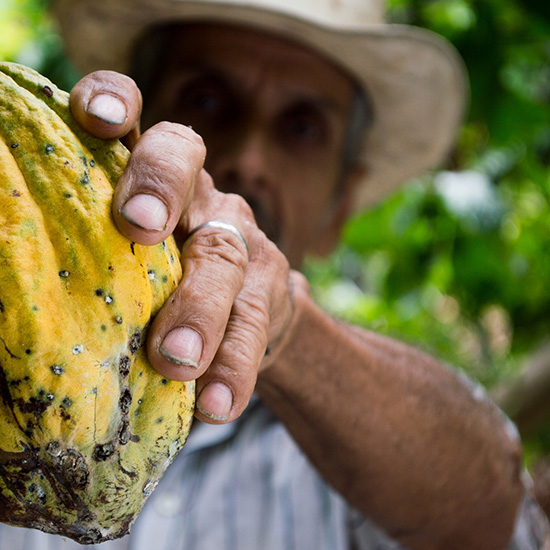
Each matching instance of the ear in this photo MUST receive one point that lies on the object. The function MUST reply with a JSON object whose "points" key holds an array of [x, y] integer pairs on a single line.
{"points": [[339, 212]]}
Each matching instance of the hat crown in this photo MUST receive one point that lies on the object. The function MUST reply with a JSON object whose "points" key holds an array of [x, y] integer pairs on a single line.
{"points": [[340, 13]]}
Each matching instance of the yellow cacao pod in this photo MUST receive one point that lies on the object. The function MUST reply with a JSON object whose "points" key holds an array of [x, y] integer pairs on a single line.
{"points": [[87, 426]]}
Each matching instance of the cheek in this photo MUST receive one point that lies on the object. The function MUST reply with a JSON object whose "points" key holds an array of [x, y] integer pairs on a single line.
{"points": [[307, 206], [313, 194]]}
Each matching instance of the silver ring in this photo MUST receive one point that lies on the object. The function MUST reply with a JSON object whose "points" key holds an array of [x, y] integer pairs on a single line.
{"points": [[220, 225]]}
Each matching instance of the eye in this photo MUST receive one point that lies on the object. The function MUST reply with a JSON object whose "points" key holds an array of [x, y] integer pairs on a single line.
{"points": [[204, 99], [205, 103], [303, 126]]}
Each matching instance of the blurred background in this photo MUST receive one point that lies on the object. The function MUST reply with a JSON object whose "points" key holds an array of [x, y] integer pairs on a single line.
{"points": [[458, 262]]}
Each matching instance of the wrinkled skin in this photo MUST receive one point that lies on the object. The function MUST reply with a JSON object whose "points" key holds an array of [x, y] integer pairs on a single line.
{"points": [[417, 451], [240, 304]]}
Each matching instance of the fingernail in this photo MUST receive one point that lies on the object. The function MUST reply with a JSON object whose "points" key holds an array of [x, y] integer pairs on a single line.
{"points": [[182, 346], [146, 212], [215, 401], [107, 108]]}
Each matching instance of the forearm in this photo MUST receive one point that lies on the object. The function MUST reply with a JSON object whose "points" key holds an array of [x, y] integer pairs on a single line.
{"points": [[400, 436]]}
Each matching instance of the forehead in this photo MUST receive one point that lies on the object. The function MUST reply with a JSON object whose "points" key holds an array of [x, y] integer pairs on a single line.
{"points": [[253, 59]]}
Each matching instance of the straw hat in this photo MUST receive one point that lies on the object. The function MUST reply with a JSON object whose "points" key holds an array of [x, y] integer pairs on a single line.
{"points": [[415, 79]]}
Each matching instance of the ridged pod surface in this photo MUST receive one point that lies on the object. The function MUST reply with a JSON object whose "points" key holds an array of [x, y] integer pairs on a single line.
{"points": [[87, 426]]}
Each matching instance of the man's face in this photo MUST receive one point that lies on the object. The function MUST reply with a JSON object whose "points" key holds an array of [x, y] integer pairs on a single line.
{"points": [[273, 116]]}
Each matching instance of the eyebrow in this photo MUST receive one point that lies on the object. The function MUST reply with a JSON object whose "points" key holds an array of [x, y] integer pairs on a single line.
{"points": [[197, 67]]}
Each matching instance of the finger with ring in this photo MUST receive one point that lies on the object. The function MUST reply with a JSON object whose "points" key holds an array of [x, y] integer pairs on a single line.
{"points": [[218, 224]]}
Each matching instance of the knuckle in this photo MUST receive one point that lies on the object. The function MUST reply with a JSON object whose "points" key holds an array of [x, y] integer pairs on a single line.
{"points": [[239, 205], [193, 303], [251, 309], [206, 185], [181, 132], [215, 246], [272, 257]]}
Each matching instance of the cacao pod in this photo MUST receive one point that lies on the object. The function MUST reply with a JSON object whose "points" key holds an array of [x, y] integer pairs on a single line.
{"points": [[87, 427]]}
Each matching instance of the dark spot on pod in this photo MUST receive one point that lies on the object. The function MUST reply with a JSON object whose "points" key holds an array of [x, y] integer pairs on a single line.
{"points": [[132, 248], [124, 365], [75, 468], [85, 179], [64, 273], [57, 369], [2, 307], [66, 402], [109, 299], [84, 160], [68, 195], [15, 193], [103, 452], [28, 351], [14, 145], [49, 149], [41, 495], [92, 163], [47, 91], [164, 278], [124, 432], [103, 328], [164, 381], [159, 420], [135, 438], [39, 492], [135, 342], [99, 292], [33, 406], [118, 320], [125, 401]]}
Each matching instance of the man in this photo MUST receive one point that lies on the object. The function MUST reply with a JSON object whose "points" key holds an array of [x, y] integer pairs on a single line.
{"points": [[314, 434]]}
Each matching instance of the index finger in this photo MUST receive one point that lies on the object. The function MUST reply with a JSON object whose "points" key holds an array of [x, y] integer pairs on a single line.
{"points": [[107, 105], [158, 183]]}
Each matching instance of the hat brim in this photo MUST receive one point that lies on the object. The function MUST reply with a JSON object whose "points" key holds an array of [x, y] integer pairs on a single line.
{"points": [[416, 81]]}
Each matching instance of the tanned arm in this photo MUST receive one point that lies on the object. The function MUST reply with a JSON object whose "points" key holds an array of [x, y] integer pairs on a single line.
{"points": [[403, 438]]}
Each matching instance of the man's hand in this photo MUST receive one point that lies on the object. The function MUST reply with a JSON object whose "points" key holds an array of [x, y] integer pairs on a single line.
{"points": [[235, 299]]}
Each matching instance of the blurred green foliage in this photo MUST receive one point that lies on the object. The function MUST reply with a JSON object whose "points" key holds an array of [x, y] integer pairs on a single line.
{"points": [[28, 36], [458, 261]]}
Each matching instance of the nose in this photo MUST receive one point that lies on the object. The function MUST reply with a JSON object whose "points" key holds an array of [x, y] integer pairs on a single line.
{"points": [[244, 165]]}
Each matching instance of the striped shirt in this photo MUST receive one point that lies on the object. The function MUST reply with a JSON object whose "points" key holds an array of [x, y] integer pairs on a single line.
{"points": [[247, 486]]}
